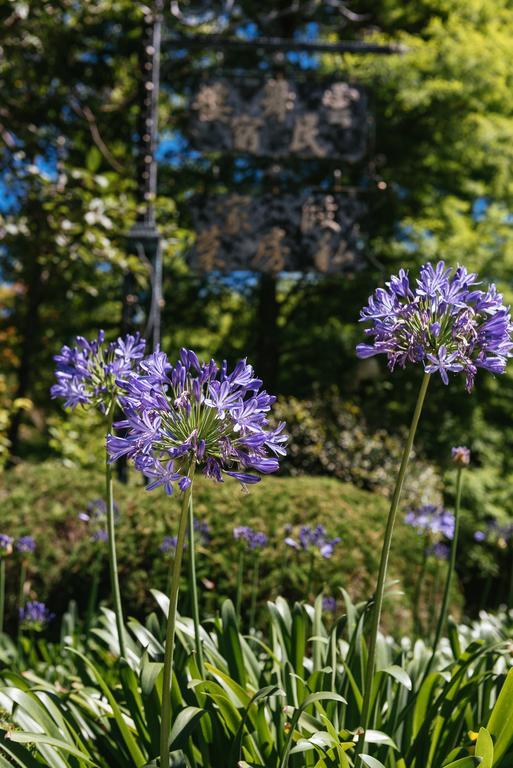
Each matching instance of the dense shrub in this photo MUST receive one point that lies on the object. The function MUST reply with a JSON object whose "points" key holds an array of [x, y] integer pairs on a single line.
{"points": [[329, 436], [45, 501]]}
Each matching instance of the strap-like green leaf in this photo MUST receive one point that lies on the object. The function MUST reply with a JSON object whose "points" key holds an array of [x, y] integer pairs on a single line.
{"points": [[484, 748], [500, 724], [183, 725], [42, 738], [400, 674], [371, 761], [131, 744]]}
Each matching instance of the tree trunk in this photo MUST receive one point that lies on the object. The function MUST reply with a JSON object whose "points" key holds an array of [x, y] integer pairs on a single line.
{"points": [[30, 336]]}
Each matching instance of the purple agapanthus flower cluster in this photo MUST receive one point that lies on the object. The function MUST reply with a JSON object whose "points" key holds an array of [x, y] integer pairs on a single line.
{"points": [[313, 538], [168, 544], [329, 604], [89, 373], [460, 456], [249, 537], [95, 518], [495, 532], [440, 550], [431, 519], [200, 412], [201, 528], [443, 322], [25, 544], [35, 615], [6, 543]]}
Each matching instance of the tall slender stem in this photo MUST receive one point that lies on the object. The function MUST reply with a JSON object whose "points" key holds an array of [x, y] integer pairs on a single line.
{"points": [[240, 572], [165, 723], [383, 566], [93, 594], [254, 592], [434, 601], [442, 619], [113, 562], [2, 593], [510, 592], [21, 595], [418, 588], [194, 590], [311, 573]]}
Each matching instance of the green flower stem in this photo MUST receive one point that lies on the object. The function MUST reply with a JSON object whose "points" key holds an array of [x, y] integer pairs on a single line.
{"points": [[2, 593], [418, 588], [486, 593], [311, 568], [194, 590], [510, 594], [23, 579], [113, 563], [434, 601], [169, 578], [21, 595], [383, 566], [93, 594], [165, 723], [254, 592], [240, 573], [442, 619]]}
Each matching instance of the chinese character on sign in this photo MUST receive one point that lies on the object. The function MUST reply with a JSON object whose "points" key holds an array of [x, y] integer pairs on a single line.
{"points": [[271, 252], [210, 103], [277, 117], [236, 214], [275, 233], [319, 213], [277, 99], [305, 135], [246, 133], [338, 100], [323, 255], [207, 248]]}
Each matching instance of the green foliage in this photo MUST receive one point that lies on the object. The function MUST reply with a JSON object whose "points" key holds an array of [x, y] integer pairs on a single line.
{"points": [[290, 697], [7, 406], [441, 147], [330, 436], [45, 501]]}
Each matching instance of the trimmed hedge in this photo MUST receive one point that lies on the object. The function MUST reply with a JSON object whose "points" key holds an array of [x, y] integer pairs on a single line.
{"points": [[44, 500]]}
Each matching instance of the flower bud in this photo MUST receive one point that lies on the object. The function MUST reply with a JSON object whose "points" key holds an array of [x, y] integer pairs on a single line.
{"points": [[460, 456]]}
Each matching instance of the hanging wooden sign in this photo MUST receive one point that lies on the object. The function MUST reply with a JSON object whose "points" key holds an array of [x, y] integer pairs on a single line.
{"points": [[277, 233], [279, 117]]}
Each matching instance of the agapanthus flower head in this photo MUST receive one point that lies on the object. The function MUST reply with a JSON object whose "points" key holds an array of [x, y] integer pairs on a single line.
{"points": [[431, 519], [100, 535], [440, 550], [96, 512], [311, 538], [202, 530], [25, 544], [329, 604], [199, 412], [6, 543], [495, 532], [95, 518], [249, 537], [35, 616], [168, 544], [90, 372], [460, 456], [443, 322]]}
